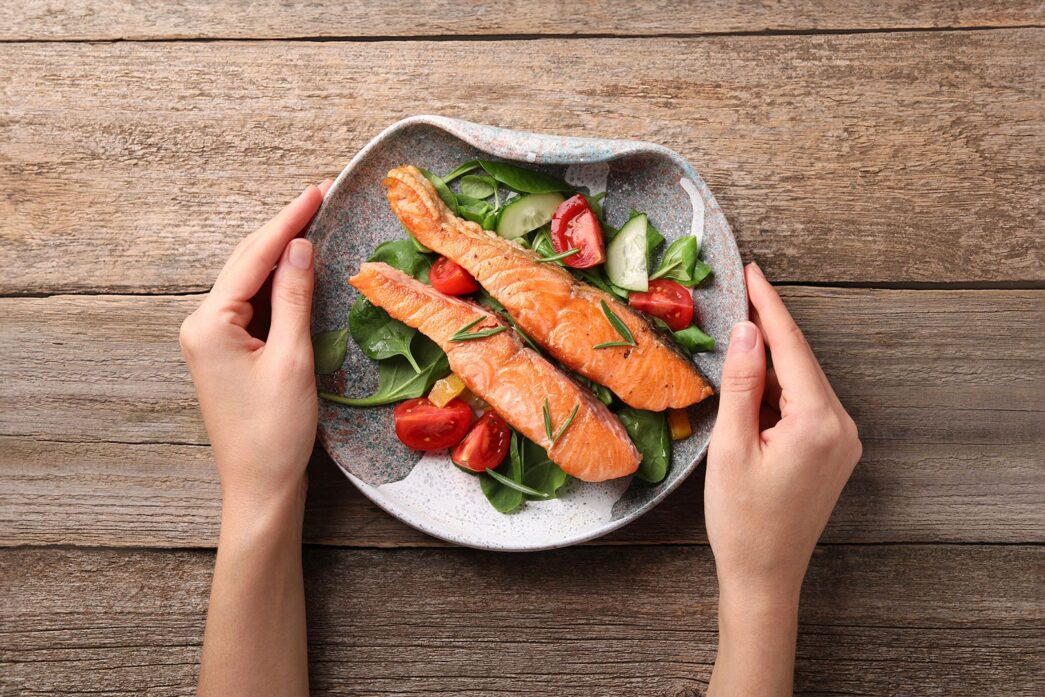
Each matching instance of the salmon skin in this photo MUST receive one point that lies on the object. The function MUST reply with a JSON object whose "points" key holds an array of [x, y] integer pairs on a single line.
{"points": [[560, 313], [510, 377]]}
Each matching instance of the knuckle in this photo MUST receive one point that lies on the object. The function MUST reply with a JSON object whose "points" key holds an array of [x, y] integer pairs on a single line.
{"points": [[742, 380], [188, 335], [295, 294]]}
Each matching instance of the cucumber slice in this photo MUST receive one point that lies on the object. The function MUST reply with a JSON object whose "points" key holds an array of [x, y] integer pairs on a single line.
{"points": [[527, 213], [626, 262]]}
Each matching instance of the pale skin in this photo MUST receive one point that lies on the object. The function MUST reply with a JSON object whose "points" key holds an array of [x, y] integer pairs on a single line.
{"points": [[781, 452]]}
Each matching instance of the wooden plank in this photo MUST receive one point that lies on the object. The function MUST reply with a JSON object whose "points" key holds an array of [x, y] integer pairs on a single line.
{"points": [[951, 620], [97, 19], [893, 158], [951, 423]]}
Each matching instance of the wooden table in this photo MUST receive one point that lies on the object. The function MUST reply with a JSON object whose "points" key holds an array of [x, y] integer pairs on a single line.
{"points": [[882, 161]]}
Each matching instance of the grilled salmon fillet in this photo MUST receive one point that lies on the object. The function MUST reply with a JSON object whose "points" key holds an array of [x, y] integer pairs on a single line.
{"points": [[560, 313], [511, 378]]}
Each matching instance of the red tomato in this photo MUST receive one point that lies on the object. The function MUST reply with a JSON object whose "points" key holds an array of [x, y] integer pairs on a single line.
{"points": [[450, 277], [422, 425], [485, 445], [665, 299], [575, 225]]}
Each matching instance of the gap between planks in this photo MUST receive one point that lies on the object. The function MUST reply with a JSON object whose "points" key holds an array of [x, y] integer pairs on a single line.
{"points": [[378, 38]]}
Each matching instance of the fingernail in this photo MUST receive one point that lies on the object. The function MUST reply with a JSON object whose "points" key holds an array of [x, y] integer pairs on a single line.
{"points": [[744, 337], [299, 254], [756, 268]]}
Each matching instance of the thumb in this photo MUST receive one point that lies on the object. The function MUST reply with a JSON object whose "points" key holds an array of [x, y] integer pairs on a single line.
{"points": [[292, 297], [743, 380]]}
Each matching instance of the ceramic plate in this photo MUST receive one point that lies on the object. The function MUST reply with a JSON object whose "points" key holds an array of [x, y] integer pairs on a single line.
{"points": [[428, 492]]}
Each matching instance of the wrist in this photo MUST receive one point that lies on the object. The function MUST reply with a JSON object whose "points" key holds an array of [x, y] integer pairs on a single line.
{"points": [[750, 601], [276, 513]]}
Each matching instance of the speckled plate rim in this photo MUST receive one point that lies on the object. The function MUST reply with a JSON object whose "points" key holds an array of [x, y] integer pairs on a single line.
{"points": [[568, 150]]}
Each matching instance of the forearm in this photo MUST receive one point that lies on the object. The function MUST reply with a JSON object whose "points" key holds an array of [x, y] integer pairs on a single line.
{"points": [[756, 645], [255, 641]]}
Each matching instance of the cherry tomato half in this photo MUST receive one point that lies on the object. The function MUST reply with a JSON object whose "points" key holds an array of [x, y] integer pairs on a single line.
{"points": [[575, 225], [422, 425], [449, 277], [485, 445], [667, 300]]}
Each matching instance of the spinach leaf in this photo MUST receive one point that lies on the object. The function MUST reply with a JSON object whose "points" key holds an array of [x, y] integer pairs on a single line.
{"points": [[490, 219], [474, 210], [462, 169], [525, 181], [601, 392], [694, 340], [404, 255], [690, 339], [397, 380], [478, 185], [329, 349], [680, 263], [417, 245], [545, 477], [539, 472], [378, 335], [503, 498], [649, 432], [442, 189], [595, 204]]}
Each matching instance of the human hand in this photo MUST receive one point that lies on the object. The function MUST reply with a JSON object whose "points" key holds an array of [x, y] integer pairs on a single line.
{"points": [[781, 451], [258, 397]]}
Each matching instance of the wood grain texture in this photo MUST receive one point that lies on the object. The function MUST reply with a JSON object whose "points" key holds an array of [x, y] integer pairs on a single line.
{"points": [[122, 19], [951, 422], [875, 620], [899, 158]]}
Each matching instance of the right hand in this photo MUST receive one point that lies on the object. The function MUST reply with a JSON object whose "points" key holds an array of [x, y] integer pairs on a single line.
{"points": [[782, 449]]}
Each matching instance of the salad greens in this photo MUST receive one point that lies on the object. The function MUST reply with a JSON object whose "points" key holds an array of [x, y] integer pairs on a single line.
{"points": [[680, 263], [478, 186], [410, 363], [525, 181], [397, 380], [329, 349], [526, 474], [442, 189], [405, 256], [649, 432], [378, 335], [694, 340]]}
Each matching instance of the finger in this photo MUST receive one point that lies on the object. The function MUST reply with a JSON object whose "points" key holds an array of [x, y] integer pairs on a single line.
{"points": [[740, 396], [252, 263], [324, 186], [797, 369], [773, 395], [292, 298]]}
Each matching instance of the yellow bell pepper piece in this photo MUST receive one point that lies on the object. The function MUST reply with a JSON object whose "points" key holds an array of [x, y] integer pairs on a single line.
{"points": [[678, 424], [446, 389]]}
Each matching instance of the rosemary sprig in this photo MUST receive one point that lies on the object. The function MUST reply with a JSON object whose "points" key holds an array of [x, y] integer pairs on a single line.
{"points": [[554, 437], [569, 420], [619, 326], [463, 334], [515, 485], [548, 422], [561, 255]]}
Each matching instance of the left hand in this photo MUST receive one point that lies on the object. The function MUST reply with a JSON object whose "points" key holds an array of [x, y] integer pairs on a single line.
{"points": [[258, 397]]}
